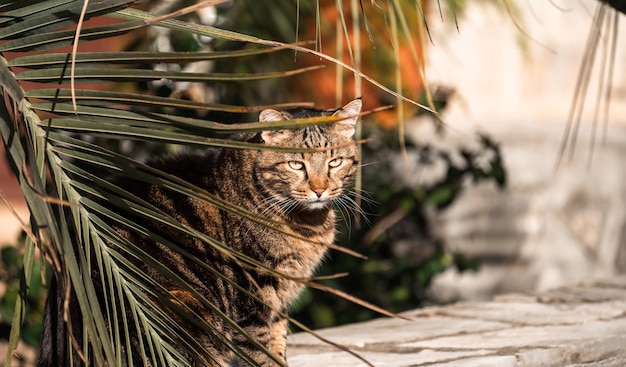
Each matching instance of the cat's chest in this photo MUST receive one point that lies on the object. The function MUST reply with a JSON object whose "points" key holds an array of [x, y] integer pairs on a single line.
{"points": [[295, 259], [298, 254]]}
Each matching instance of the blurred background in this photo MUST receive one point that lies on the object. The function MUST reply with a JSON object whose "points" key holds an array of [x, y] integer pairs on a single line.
{"points": [[507, 191], [553, 224]]}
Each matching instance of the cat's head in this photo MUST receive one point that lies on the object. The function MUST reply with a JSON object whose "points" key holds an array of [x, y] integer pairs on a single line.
{"points": [[311, 180]]}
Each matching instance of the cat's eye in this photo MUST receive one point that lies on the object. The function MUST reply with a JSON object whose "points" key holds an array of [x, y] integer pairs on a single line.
{"points": [[335, 162], [295, 165]]}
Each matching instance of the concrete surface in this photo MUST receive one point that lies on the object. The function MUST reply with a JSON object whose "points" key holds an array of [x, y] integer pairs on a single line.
{"points": [[583, 325]]}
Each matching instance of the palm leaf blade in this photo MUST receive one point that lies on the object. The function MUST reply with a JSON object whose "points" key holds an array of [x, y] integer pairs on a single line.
{"points": [[52, 40], [56, 75], [134, 57], [48, 16], [95, 97], [109, 120], [10, 5]]}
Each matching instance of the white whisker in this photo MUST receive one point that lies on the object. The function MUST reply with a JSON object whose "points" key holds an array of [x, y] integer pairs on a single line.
{"points": [[361, 165], [350, 206], [344, 212], [363, 196]]}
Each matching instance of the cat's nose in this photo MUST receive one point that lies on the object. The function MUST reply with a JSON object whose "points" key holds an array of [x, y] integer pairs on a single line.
{"points": [[319, 192]]}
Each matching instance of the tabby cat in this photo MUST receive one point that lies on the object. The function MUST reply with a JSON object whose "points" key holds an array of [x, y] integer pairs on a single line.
{"points": [[295, 190]]}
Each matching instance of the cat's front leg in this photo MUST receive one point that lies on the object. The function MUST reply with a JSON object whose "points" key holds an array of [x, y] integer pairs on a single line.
{"points": [[272, 335], [278, 343]]}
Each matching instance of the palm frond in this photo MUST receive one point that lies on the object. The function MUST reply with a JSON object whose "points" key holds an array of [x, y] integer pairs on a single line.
{"points": [[602, 44], [55, 168], [132, 57], [96, 98]]}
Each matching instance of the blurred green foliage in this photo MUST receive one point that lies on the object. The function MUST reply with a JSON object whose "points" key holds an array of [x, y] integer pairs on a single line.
{"points": [[11, 268]]}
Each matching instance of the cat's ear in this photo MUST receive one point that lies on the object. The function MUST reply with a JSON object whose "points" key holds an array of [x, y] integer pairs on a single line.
{"points": [[271, 115], [269, 136], [351, 112]]}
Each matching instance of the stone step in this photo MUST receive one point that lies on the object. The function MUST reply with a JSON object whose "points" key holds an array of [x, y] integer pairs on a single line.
{"points": [[569, 326]]}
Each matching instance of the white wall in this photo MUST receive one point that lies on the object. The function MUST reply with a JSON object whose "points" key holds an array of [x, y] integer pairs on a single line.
{"points": [[548, 228], [506, 74]]}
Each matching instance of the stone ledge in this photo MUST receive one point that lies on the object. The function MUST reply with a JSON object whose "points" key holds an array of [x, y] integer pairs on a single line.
{"points": [[583, 325]]}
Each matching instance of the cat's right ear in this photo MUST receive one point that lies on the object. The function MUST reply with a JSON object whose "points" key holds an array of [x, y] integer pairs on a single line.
{"points": [[350, 113], [271, 115], [271, 136]]}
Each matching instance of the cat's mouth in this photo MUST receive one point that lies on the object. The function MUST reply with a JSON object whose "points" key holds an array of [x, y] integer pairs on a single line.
{"points": [[313, 201], [316, 205]]}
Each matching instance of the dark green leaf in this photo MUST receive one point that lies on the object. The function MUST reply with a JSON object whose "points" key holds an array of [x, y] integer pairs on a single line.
{"points": [[52, 40], [96, 97], [84, 75], [48, 16], [110, 58]]}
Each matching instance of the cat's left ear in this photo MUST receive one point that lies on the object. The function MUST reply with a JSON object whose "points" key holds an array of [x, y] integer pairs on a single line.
{"points": [[270, 136], [351, 112]]}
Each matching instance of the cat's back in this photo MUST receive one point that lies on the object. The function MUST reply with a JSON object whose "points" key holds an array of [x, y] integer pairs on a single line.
{"points": [[192, 166]]}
